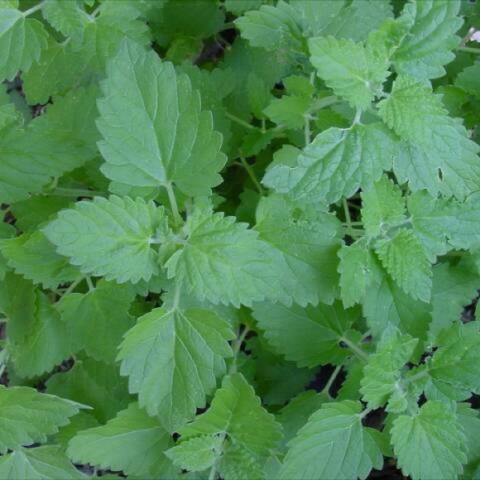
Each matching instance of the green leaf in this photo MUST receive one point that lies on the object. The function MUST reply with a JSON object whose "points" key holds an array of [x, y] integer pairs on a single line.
{"points": [[109, 237], [454, 286], [349, 69], [93, 383], [386, 304], [438, 155], [430, 443], [172, 139], [296, 413], [34, 257], [41, 463], [333, 444], [404, 258], [382, 206], [469, 80], [382, 373], [196, 454], [354, 272], [429, 44], [66, 17], [272, 28], [337, 163], [223, 261], [308, 336], [46, 343], [165, 348], [132, 442], [27, 416], [456, 359], [21, 40], [288, 111], [99, 318], [236, 414], [308, 240]]}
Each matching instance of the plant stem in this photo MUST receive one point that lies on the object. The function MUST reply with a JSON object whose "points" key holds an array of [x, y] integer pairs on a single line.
{"points": [[73, 285], [236, 349], [252, 175], [306, 129], [348, 218], [333, 376], [241, 122], [417, 376], [173, 204], [469, 50], [91, 287], [34, 9], [354, 348]]}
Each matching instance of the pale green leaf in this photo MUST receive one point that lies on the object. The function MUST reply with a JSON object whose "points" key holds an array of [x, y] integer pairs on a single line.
{"points": [[196, 454], [132, 442], [250, 432], [382, 207], [99, 318], [173, 359], [288, 111], [109, 237], [430, 443], [405, 259], [469, 80], [46, 343], [337, 163], [66, 16], [308, 239], [41, 463], [223, 261], [437, 154], [21, 41], [333, 444], [171, 140], [308, 336], [354, 272], [34, 257], [349, 69], [429, 44], [382, 373], [93, 383], [27, 416]]}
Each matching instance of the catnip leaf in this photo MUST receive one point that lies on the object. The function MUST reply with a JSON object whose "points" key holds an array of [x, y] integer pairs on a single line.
{"points": [[66, 17], [333, 444], [430, 443], [164, 349], [47, 462], [224, 262], [308, 336], [337, 163], [109, 237], [308, 240], [172, 139], [27, 416], [196, 454], [437, 154], [21, 41], [131, 442], [404, 258], [250, 433], [429, 44], [349, 69]]}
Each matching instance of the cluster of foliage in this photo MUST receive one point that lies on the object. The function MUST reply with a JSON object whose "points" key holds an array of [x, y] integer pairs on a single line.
{"points": [[238, 239]]}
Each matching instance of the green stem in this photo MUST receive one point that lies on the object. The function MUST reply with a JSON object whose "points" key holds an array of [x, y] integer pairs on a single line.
{"points": [[236, 349], [34, 9], [416, 377], [333, 376], [252, 175], [469, 50], [173, 204], [324, 102], [75, 192], [241, 122], [91, 287], [354, 348], [365, 412], [306, 129], [74, 285]]}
